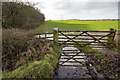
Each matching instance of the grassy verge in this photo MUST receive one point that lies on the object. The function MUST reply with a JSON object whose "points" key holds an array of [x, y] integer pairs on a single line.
{"points": [[104, 65], [38, 69]]}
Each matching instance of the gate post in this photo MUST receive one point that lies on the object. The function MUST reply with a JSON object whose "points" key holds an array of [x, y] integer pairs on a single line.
{"points": [[45, 35], [55, 35], [110, 43]]}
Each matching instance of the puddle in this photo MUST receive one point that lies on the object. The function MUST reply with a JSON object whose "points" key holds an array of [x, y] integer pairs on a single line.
{"points": [[71, 72]]}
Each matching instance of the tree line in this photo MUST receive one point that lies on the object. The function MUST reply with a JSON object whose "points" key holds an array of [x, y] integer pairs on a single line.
{"points": [[21, 15]]}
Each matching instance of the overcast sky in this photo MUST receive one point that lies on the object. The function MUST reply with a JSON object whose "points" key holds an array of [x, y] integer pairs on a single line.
{"points": [[78, 9]]}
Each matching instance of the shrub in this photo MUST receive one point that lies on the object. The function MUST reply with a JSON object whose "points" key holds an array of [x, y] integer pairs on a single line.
{"points": [[14, 42]]}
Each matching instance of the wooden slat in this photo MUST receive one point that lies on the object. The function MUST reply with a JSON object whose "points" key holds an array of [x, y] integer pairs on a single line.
{"points": [[42, 33], [80, 38], [98, 47], [70, 46], [48, 39], [72, 55], [45, 38], [65, 51], [72, 58], [73, 65], [78, 45], [83, 35], [83, 42], [70, 50], [71, 61], [67, 43], [93, 46], [85, 31]]}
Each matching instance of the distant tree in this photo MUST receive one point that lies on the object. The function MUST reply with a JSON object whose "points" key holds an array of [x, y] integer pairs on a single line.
{"points": [[21, 15]]}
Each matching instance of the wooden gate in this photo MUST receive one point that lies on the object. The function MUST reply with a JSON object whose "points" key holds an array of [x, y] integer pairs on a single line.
{"points": [[81, 38], [84, 38]]}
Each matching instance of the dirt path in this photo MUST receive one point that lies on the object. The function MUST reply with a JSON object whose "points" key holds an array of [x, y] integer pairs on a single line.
{"points": [[107, 52]]}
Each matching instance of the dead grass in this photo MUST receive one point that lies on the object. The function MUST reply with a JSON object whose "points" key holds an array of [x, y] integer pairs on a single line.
{"points": [[35, 52], [14, 41]]}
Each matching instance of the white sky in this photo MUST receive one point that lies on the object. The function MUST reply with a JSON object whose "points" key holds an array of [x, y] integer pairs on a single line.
{"points": [[78, 9]]}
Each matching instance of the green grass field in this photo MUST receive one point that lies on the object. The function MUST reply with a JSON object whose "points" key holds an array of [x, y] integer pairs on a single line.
{"points": [[77, 25]]}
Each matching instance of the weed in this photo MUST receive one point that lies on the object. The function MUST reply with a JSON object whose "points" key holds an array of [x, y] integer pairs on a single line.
{"points": [[105, 59], [99, 67], [112, 77], [98, 54]]}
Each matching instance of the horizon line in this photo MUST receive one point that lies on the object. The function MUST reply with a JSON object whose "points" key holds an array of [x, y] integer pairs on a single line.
{"points": [[84, 19]]}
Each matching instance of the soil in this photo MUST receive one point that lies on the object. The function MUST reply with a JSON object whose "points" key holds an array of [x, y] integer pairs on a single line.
{"points": [[108, 52], [110, 67]]}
